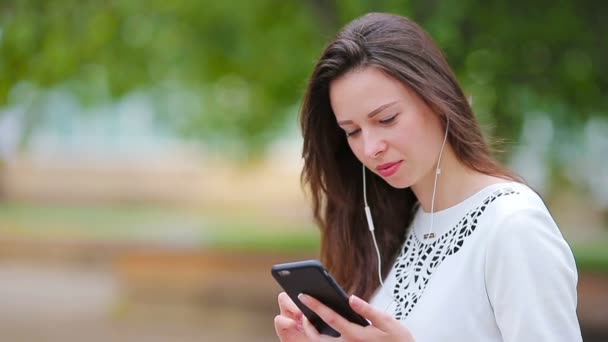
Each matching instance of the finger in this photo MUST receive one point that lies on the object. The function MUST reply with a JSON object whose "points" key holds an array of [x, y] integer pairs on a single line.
{"points": [[379, 319], [310, 331], [287, 307], [285, 326], [334, 320]]}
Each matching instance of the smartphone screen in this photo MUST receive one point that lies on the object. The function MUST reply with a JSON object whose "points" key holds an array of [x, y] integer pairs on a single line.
{"points": [[311, 278]]}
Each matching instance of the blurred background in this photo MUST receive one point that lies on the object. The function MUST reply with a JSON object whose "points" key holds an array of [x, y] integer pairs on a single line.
{"points": [[150, 151]]}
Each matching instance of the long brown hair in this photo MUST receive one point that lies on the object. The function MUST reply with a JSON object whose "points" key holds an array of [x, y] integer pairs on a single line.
{"points": [[403, 50]]}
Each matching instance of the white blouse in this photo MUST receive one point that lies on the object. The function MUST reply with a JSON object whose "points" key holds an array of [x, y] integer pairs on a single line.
{"points": [[496, 269]]}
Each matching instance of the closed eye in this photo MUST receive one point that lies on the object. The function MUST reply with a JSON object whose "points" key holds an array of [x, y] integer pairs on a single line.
{"points": [[352, 133], [389, 119]]}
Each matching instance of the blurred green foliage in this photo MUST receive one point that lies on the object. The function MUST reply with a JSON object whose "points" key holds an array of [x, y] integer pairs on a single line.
{"points": [[235, 70], [592, 258]]}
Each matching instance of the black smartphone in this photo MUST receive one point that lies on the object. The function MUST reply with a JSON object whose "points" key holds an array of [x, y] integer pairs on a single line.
{"points": [[310, 277]]}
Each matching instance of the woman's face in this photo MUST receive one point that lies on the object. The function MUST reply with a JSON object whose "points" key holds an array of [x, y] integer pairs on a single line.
{"points": [[388, 126]]}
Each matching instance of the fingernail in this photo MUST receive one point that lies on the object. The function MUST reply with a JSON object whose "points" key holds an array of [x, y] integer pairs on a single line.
{"points": [[354, 300], [302, 297]]}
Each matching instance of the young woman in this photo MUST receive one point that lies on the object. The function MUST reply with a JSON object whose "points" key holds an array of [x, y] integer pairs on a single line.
{"points": [[462, 249]]}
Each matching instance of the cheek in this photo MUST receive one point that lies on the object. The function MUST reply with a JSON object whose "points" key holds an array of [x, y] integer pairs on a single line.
{"points": [[410, 136], [423, 151], [357, 149], [403, 142]]}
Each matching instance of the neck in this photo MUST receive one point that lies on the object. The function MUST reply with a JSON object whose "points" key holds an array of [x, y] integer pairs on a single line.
{"points": [[455, 184]]}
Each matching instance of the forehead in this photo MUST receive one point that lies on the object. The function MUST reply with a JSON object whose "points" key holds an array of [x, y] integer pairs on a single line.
{"points": [[360, 91]]}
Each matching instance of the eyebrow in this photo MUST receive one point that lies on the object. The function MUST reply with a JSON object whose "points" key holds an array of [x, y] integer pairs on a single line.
{"points": [[370, 114]]}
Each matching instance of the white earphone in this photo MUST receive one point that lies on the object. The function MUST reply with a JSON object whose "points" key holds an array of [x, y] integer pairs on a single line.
{"points": [[368, 213]]}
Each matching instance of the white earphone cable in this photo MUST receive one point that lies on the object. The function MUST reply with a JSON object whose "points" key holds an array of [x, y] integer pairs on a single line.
{"points": [[370, 224], [368, 214], [437, 173]]}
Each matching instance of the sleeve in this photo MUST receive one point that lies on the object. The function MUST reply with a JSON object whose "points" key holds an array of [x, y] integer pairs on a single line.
{"points": [[531, 279]]}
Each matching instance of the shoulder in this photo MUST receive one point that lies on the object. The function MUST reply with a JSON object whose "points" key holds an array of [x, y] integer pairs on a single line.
{"points": [[515, 206], [520, 224], [511, 197], [516, 218]]}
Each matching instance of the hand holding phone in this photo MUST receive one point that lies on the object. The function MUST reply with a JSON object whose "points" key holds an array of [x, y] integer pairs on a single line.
{"points": [[311, 278]]}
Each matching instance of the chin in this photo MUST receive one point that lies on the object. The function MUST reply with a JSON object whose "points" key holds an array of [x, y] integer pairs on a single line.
{"points": [[399, 183]]}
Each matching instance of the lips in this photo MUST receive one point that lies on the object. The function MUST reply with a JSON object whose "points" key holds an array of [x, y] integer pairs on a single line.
{"points": [[388, 169]]}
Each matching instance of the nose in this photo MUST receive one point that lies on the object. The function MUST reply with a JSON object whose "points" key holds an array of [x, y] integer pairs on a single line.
{"points": [[374, 145]]}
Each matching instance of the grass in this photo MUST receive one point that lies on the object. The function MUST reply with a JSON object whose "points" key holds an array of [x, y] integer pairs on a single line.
{"points": [[86, 222], [297, 242], [592, 257], [240, 230], [231, 230]]}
